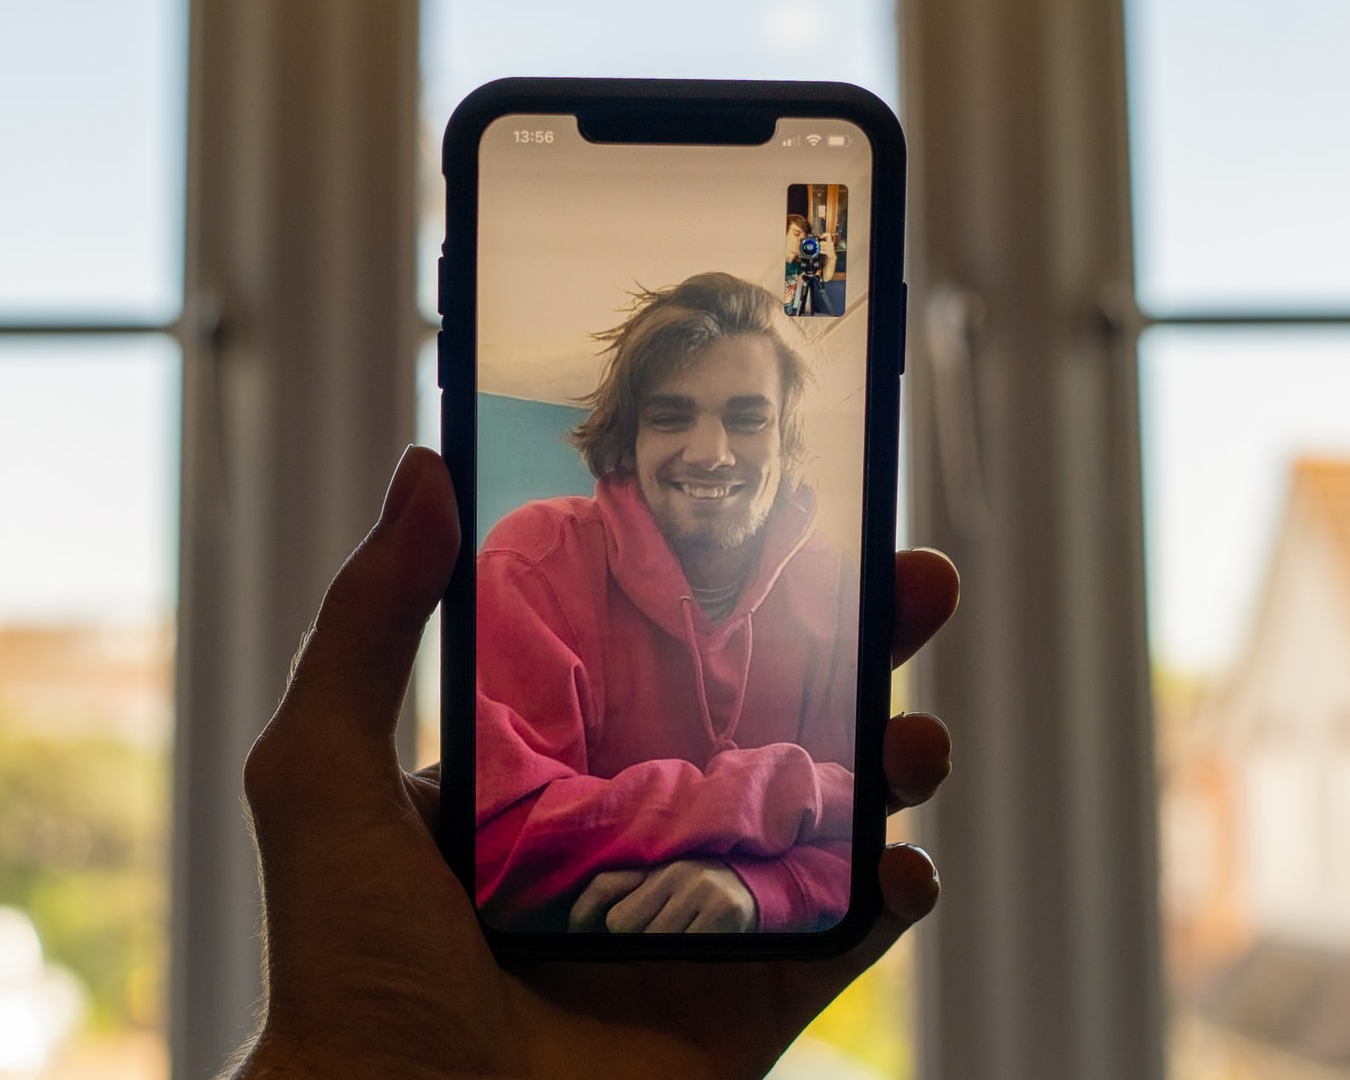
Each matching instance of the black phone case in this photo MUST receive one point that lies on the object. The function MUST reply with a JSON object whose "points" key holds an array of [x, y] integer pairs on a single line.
{"points": [[675, 112]]}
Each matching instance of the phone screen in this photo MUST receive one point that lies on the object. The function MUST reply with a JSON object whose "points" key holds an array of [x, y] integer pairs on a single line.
{"points": [[671, 371]]}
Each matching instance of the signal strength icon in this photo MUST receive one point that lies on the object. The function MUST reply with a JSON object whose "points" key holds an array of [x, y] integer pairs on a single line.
{"points": [[813, 139]]}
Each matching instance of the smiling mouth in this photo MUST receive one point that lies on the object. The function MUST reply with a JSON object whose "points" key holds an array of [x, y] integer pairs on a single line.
{"points": [[705, 491]]}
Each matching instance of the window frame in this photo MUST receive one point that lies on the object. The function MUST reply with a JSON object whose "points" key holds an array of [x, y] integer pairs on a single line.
{"points": [[1044, 957], [298, 395]]}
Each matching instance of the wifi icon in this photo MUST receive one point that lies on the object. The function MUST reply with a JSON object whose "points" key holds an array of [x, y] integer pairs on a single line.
{"points": [[813, 140]]}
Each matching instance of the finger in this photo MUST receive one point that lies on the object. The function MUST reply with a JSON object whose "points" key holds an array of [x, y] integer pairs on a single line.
{"points": [[595, 900], [916, 753], [909, 883], [677, 915], [682, 889], [354, 669], [714, 919], [927, 589], [909, 891], [634, 912], [720, 913]]}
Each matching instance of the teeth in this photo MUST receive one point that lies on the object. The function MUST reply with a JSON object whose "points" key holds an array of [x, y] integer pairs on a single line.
{"points": [[701, 491]]}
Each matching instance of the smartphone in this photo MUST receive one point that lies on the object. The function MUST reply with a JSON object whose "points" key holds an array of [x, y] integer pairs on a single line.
{"points": [[670, 357]]}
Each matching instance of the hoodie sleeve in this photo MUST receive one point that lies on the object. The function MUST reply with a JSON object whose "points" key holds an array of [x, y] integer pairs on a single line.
{"points": [[546, 826], [806, 889]]}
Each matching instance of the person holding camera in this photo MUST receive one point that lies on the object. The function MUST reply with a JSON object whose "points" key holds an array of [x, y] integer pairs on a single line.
{"points": [[811, 261]]}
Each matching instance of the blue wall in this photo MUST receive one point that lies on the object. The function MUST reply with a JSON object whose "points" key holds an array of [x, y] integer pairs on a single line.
{"points": [[523, 454]]}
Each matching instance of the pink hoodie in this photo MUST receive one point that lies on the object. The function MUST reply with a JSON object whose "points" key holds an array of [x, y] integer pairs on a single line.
{"points": [[619, 727]]}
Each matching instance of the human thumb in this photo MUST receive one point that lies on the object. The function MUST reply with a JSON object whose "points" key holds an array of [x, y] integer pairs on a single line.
{"points": [[350, 678]]}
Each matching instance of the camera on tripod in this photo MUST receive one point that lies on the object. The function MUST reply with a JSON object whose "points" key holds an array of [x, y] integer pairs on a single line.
{"points": [[809, 256]]}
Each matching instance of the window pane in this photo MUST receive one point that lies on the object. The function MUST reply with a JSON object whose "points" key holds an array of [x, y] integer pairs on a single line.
{"points": [[1247, 489], [1241, 164], [464, 44], [88, 498], [91, 122]]}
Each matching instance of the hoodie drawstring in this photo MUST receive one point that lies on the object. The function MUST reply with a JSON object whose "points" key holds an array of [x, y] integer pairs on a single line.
{"points": [[726, 740]]}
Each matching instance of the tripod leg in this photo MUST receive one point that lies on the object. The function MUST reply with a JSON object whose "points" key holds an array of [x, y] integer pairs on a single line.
{"points": [[820, 299]]}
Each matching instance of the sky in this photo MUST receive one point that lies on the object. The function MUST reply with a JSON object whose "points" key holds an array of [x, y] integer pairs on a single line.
{"points": [[1240, 167]]}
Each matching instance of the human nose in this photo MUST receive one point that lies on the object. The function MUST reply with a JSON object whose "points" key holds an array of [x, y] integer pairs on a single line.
{"points": [[708, 446]]}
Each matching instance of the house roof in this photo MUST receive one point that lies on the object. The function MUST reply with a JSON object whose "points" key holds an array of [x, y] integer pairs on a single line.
{"points": [[1318, 498], [1323, 484]]}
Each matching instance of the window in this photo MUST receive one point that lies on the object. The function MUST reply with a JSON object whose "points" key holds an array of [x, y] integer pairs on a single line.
{"points": [[1041, 961], [1241, 228], [91, 104]]}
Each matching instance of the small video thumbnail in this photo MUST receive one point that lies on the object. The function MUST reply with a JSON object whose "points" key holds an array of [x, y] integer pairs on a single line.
{"points": [[816, 254]]}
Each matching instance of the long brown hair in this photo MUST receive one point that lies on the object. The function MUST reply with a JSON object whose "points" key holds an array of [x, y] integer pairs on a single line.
{"points": [[666, 329]]}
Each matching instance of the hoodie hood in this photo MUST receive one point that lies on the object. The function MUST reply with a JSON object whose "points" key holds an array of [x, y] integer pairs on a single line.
{"points": [[644, 566]]}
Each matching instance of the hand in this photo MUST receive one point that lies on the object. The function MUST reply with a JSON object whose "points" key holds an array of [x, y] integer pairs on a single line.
{"points": [[373, 962], [830, 256], [685, 896]]}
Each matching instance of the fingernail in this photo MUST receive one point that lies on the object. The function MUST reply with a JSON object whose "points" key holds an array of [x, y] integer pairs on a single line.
{"points": [[909, 882], [934, 551], [912, 799], [400, 486]]}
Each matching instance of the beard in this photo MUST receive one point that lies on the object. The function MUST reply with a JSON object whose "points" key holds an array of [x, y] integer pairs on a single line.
{"points": [[703, 536], [694, 534]]}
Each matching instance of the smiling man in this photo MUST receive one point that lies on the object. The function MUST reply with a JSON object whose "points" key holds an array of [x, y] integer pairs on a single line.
{"points": [[708, 456], [666, 707]]}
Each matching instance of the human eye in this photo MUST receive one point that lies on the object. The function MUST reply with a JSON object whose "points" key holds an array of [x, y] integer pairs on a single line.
{"points": [[667, 420], [748, 422]]}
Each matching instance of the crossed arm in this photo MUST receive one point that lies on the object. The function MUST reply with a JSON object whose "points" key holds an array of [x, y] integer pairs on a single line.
{"points": [[757, 837]]}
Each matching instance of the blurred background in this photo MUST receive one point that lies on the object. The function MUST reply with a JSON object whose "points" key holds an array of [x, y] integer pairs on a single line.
{"points": [[218, 235]]}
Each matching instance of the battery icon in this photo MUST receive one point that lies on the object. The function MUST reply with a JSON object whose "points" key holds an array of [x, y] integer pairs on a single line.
{"points": [[837, 140]]}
